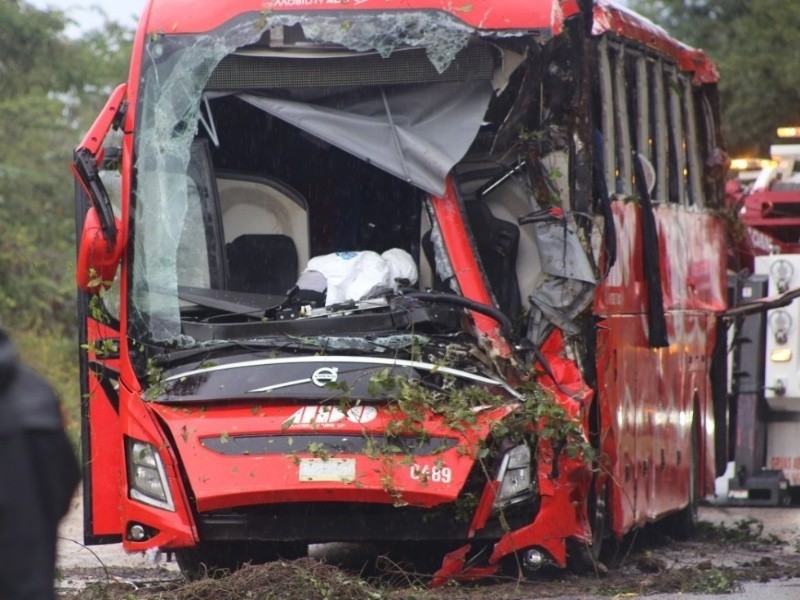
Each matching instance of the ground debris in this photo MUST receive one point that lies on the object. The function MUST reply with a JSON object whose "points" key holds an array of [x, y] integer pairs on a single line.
{"points": [[650, 564], [718, 560], [302, 579]]}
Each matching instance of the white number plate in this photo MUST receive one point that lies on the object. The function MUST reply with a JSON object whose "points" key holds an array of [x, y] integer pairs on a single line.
{"points": [[435, 474], [738, 494], [332, 469]]}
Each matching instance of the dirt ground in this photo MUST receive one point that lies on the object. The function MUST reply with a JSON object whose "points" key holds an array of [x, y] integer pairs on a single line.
{"points": [[733, 546]]}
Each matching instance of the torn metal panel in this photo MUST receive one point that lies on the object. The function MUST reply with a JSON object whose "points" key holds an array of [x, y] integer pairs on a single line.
{"points": [[415, 133], [568, 288]]}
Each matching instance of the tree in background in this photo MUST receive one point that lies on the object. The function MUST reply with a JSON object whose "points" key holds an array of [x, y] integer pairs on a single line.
{"points": [[754, 43], [51, 89]]}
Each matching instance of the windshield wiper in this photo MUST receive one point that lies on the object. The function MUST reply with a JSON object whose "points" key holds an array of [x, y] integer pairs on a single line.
{"points": [[456, 300], [231, 303]]}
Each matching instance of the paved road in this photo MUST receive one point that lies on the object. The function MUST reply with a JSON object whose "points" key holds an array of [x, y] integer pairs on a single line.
{"points": [[781, 522]]}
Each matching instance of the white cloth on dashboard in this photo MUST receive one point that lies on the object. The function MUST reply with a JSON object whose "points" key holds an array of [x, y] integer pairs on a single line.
{"points": [[356, 275]]}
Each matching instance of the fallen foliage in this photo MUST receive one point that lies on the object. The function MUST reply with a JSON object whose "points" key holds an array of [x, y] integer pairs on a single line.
{"points": [[718, 560]]}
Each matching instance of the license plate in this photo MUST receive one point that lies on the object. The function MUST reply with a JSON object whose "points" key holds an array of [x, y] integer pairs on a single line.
{"points": [[737, 494], [332, 469]]}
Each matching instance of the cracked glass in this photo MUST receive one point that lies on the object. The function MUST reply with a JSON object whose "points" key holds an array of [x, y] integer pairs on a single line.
{"points": [[175, 72]]}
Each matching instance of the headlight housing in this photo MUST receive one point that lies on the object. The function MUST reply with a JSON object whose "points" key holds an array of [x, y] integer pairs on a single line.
{"points": [[147, 480], [514, 476]]}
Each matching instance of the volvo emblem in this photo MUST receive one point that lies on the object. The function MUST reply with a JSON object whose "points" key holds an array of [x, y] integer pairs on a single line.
{"points": [[325, 375]]}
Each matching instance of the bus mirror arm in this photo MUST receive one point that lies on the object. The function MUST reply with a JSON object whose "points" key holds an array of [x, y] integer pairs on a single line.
{"points": [[100, 245], [89, 155]]}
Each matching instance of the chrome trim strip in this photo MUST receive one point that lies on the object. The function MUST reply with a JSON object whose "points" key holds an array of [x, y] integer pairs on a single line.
{"points": [[392, 362]]}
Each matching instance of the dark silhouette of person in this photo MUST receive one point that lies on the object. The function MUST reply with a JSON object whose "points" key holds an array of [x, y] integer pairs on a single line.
{"points": [[38, 476]]}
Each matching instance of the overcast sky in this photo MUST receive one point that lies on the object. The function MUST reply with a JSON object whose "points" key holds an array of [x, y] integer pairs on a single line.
{"points": [[88, 13]]}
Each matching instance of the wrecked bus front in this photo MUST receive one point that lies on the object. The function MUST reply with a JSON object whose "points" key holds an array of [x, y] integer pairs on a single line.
{"points": [[355, 288]]}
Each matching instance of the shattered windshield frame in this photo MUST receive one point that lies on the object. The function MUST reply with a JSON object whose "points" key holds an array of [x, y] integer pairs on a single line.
{"points": [[174, 74], [174, 104]]}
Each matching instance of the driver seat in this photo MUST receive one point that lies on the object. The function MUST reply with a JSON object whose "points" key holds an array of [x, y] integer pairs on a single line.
{"points": [[262, 263]]}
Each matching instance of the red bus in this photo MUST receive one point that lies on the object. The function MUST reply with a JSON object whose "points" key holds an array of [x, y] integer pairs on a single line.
{"points": [[399, 272]]}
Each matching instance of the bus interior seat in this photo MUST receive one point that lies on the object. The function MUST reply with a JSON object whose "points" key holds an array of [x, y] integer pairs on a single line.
{"points": [[497, 242], [263, 206], [507, 203], [264, 263]]}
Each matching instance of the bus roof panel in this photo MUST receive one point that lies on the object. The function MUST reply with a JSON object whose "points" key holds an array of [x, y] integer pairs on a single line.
{"points": [[543, 16], [630, 25], [183, 16]]}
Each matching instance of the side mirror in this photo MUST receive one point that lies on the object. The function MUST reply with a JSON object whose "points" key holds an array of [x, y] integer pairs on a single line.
{"points": [[98, 257]]}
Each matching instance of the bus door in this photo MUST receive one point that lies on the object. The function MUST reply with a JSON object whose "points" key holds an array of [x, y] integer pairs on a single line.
{"points": [[98, 195]]}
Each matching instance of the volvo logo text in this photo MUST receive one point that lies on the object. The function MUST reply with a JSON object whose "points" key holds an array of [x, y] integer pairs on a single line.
{"points": [[325, 375]]}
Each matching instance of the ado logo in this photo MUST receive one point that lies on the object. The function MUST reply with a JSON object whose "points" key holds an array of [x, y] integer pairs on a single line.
{"points": [[327, 415]]}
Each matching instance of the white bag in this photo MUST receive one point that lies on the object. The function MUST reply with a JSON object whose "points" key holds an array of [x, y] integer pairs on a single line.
{"points": [[401, 266], [351, 275]]}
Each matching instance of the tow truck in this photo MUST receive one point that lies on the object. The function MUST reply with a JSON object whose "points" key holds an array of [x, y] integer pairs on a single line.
{"points": [[765, 388]]}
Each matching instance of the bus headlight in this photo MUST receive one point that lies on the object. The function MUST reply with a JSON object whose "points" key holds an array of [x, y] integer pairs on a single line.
{"points": [[514, 476], [147, 481]]}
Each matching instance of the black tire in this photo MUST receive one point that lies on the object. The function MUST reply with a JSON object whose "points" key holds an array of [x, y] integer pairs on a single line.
{"points": [[217, 559], [683, 524], [583, 557]]}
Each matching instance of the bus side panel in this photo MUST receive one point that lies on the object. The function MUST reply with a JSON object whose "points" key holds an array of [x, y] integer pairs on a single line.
{"points": [[651, 395], [656, 395], [678, 383], [621, 300], [617, 387], [693, 249], [105, 476]]}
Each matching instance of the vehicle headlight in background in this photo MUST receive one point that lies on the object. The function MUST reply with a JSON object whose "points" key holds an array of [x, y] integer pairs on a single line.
{"points": [[514, 476], [147, 481]]}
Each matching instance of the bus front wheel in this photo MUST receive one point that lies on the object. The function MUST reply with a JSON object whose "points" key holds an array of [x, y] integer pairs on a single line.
{"points": [[583, 557], [217, 559], [683, 524]]}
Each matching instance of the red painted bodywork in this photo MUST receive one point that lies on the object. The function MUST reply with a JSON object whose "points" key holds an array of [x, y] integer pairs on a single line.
{"points": [[219, 481], [653, 395], [182, 16], [771, 221], [648, 397], [465, 266], [97, 259], [105, 478]]}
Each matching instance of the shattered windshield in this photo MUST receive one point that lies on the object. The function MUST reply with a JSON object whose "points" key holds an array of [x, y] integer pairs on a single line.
{"points": [[286, 171], [251, 170]]}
